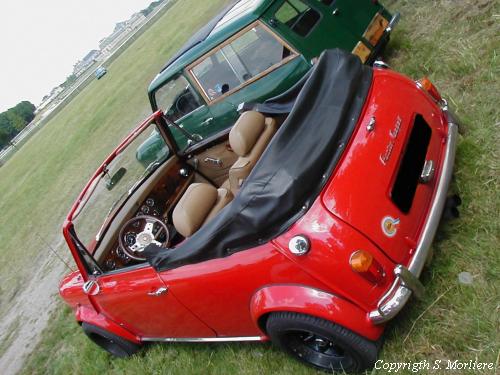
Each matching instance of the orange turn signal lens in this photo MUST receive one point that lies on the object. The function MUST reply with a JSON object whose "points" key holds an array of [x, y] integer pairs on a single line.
{"points": [[361, 261], [426, 84]]}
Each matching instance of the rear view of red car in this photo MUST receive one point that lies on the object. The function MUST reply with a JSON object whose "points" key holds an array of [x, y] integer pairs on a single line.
{"points": [[307, 224]]}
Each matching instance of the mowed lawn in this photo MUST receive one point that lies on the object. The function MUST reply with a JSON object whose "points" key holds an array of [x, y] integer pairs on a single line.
{"points": [[39, 184], [455, 43]]}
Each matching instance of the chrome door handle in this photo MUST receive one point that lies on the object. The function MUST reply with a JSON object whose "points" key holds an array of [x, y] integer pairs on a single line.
{"points": [[91, 287], [208, 121], [158, 292]]}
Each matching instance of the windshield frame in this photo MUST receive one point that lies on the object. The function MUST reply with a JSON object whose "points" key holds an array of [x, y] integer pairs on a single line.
{"points": [[74, 243]]}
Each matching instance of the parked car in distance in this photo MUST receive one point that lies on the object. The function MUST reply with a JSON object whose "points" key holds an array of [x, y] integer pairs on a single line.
{"points": [[256, 49], [100, 72], [309, 227]]}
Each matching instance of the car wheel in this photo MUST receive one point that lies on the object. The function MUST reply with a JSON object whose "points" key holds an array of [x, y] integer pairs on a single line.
{"points": [[321, 343], [113, 344]]}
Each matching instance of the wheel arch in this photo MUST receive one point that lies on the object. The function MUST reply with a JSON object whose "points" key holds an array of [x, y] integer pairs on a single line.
{"points": [[90, 316], [314, 302]]}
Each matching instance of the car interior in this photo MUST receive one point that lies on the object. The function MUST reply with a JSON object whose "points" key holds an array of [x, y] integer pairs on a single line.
{"points": [[183, 194]]}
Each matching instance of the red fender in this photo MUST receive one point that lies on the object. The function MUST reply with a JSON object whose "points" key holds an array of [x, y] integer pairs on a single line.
{"points": [[88, 315], [313, 302]]}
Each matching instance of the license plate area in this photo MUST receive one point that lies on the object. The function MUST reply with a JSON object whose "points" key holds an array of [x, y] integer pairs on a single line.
{"points": [[405, 185]]}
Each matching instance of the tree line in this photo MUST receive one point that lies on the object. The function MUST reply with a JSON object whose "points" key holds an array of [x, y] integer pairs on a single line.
{"points": [[14, 120]]}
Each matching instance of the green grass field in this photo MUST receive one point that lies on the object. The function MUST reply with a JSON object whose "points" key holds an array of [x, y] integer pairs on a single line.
{"points": [[455, 43]]}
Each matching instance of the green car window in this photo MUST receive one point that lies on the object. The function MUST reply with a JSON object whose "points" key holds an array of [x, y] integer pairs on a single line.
{"points": [[297, 16], [176, 98], [249, 55]]}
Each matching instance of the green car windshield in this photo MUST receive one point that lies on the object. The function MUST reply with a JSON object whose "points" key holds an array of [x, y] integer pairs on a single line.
{"points": [[119, 179]]}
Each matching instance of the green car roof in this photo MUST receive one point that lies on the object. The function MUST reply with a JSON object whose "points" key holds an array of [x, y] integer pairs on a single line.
{"points": [[232, 19]]}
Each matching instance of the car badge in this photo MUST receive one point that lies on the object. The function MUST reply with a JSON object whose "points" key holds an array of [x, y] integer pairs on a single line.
{"points": [[390, 226], [393, 134]]}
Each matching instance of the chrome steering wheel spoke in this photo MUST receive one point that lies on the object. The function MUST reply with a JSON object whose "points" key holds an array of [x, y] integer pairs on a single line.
{"points": [[148, 228], [144, 236]]}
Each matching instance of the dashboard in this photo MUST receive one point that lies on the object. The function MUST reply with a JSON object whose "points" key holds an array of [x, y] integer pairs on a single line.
{"points": [[160, 199]]}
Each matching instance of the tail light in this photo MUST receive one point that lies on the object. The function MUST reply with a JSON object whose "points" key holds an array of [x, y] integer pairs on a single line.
{"points": [[363, 263], [426, 85]]}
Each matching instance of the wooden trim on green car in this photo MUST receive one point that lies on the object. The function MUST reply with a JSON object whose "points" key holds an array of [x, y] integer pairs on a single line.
{"points": [[294, 54]]}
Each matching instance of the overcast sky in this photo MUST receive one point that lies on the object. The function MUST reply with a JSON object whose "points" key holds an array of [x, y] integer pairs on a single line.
{"points": [[41, 40]]}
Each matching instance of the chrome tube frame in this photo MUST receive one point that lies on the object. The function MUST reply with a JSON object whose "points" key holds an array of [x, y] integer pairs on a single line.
{"points": [[406, 281]]}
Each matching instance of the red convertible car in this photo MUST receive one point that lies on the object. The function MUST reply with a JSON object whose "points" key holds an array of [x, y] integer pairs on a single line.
{"points": [[307, 223]]}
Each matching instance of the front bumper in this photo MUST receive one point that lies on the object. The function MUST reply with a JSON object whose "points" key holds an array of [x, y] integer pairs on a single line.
{"points": [[406, 281]]}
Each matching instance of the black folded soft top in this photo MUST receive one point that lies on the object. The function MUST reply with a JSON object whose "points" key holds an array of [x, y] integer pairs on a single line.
{"points": [[293, 169]]}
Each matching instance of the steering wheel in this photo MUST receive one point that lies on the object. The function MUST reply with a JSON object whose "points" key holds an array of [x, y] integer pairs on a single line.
{"points": [[139, 232]]}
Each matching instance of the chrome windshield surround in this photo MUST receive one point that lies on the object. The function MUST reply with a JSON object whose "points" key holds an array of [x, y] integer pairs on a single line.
{"points": [[406, 281]]}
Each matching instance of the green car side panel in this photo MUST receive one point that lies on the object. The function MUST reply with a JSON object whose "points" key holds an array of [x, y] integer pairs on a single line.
{"points": [[343, 29], [326, 33]]}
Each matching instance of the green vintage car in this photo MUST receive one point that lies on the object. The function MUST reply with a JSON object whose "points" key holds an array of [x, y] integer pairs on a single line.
{"points": [[254, 50]]}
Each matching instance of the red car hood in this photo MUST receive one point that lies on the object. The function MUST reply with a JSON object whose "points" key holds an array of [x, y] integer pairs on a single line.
{"points": [[360, 192]]}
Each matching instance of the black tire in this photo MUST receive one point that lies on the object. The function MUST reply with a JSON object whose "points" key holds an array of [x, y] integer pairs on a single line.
{"points": [[320, 343], [113, 344]]}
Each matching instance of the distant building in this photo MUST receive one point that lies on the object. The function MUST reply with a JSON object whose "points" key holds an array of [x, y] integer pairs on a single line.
{"points": [[49, 98], [87, 61], [120, 32], [136, 20]]}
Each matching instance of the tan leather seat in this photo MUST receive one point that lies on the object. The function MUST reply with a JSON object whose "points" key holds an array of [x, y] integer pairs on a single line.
{"points": [[199, 204], [248, 138]]}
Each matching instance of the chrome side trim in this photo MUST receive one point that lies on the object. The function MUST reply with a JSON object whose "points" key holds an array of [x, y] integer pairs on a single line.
{"points": [[400, 291], [204, 339], [393, 22]]}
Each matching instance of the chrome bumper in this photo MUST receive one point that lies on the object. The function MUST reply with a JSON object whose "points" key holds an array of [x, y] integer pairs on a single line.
{"points": [[406, 281]]}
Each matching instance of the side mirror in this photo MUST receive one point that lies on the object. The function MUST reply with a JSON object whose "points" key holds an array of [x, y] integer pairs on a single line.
{"points": [[110, 184]]}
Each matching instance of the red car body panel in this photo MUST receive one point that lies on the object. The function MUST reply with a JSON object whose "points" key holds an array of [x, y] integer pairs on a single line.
{"points": [[310, 301], [359, 192], [147, 315], [227, 297], [220, 290], [332, 243], [89, 315]]}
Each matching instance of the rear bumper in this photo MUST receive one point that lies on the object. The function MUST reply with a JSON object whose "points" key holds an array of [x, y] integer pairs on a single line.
{"points": [[406, 281]]}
